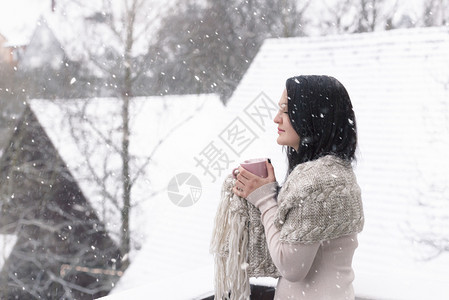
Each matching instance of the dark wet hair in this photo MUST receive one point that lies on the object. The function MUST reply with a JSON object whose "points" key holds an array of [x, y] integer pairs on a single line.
{"points": [[320, 111]]}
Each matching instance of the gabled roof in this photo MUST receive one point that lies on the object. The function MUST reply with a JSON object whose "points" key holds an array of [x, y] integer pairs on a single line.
{"points": [[81, 30], [44, 49], [399, 84], [16, 23], [172, 238], [87, 133], [43, 205], [53, 38]]}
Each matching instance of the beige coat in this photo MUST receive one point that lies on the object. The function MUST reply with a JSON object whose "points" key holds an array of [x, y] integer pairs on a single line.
{"points": [[311, 229], [306, 234]]}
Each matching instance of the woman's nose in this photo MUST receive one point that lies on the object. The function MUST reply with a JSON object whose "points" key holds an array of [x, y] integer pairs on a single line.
{"points": [[277, 119]]}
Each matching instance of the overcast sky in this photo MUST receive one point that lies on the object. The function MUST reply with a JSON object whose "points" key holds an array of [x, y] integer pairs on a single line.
{"points": [[18, 17]]}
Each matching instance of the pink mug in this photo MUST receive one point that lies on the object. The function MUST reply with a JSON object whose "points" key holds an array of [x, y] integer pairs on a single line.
{"points": [[256, 166]]}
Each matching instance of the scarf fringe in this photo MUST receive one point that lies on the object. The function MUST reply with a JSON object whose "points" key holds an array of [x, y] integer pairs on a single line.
{"points": [[230, 246]]}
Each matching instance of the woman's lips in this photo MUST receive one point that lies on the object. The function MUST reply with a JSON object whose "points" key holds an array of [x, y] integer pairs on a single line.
{"points": [[280, 130]]}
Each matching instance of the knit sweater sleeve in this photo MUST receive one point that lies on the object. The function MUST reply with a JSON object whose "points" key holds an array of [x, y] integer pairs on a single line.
{"points": [[293, 261]]}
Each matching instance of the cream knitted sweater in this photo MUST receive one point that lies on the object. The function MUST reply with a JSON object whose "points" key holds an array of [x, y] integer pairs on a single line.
{"points": [[310, 230]]}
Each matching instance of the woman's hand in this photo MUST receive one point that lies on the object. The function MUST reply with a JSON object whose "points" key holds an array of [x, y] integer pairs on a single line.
{"points": [[247, 182]]}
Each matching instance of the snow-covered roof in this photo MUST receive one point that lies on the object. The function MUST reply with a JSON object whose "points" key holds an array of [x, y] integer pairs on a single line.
{"points": [[87, 133], [80, 29], [170, 239], [57, 35], [16, 23], [44, 49], [399, 84]]}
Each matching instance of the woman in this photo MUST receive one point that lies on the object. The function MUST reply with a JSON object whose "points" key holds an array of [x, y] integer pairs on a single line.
{"points": [[311, 225]]}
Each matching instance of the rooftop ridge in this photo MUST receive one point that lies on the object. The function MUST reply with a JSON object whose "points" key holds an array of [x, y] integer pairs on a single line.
{"points": [[425, 32]]}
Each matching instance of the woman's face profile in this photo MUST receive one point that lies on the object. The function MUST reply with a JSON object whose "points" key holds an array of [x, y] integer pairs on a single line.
{"points": [[287, 135]]}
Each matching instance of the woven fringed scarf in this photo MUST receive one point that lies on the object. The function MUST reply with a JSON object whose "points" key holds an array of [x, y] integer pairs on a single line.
{"points": [[239, 245]]}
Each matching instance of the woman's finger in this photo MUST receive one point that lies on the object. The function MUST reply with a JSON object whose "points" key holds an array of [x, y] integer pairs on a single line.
{"points": [[239, 184], [245, 173], [238, 191]]}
